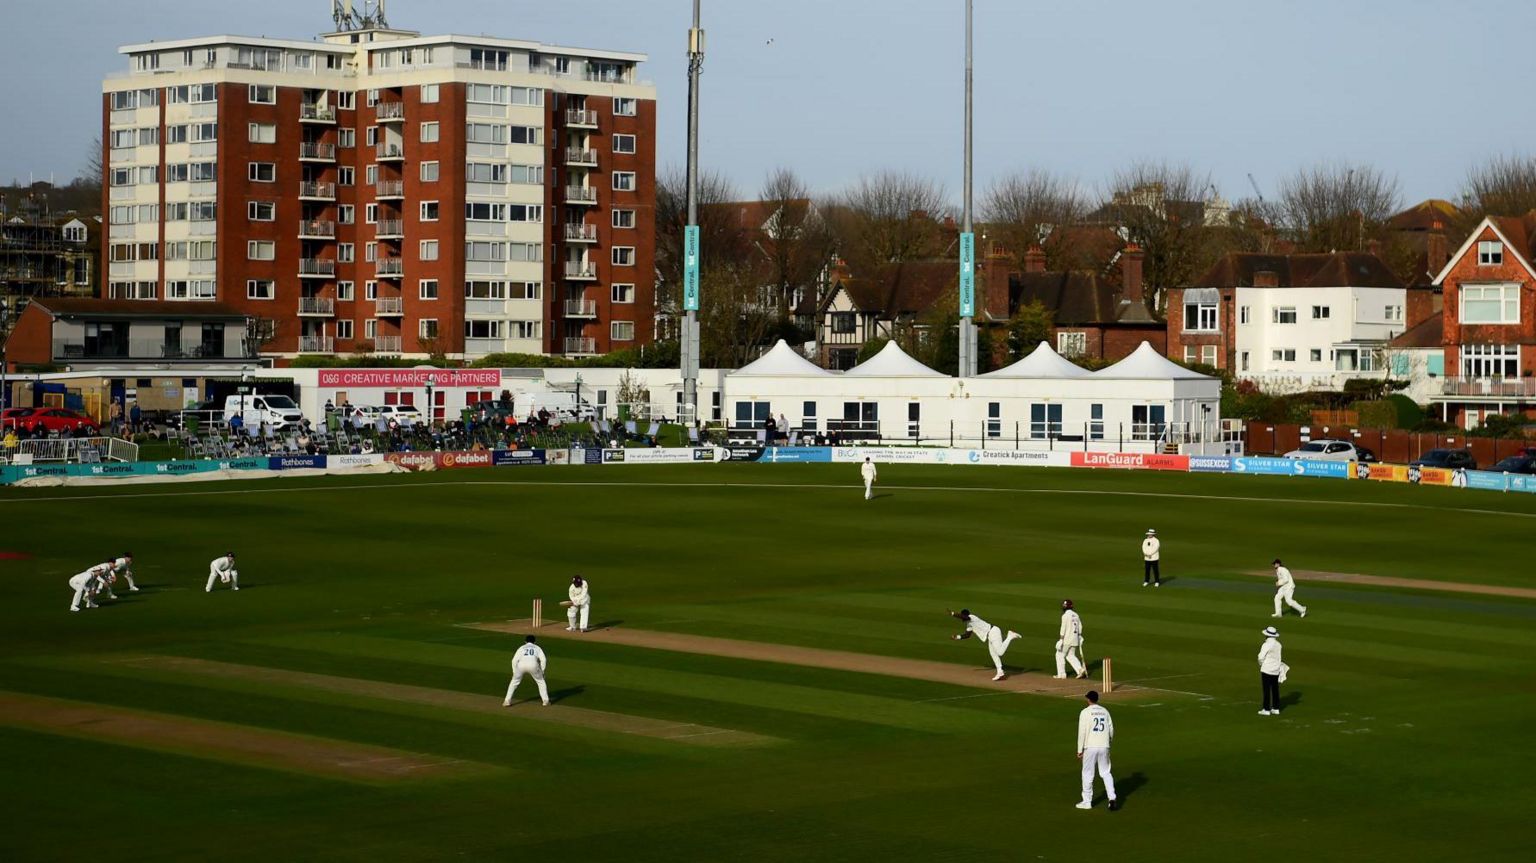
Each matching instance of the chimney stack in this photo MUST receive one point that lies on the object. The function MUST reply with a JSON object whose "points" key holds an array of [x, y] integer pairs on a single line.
{"points": [[1034, 260], [1266, 279], [1130, 271]]}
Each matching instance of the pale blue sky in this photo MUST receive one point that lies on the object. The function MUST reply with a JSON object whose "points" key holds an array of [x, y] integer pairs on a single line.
{"points": [[1420, 89]]}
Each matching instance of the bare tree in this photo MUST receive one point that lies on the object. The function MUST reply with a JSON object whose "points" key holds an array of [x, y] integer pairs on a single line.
{"points": [[889, 216], [795, 243], [1503, 186], [1161, 207], [1030, 208], [1336, 206], [734, 323]]}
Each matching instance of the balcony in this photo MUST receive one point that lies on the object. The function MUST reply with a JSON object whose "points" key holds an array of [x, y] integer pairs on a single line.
{"points": [[581, 233], [580, 195], [317, 191], [386, 344], [389, 229], [317, 229], [389, 189], [388, 307], [581, 308], [580, 345], [390, 112], [317, 268], [316, 151], [390, 153], [578, 118], [150, 349], [1489, 388], [580, 271], [578, 156], [317, 345], [316, 307], [311, 113], [389, 266]]}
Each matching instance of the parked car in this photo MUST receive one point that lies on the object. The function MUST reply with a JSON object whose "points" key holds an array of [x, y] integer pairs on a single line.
{"points": [[1366, 455], [1450, 459], [1516, 464], [402, 414], [12, 417], [1327, 450], [57, 420], [277, 411]]}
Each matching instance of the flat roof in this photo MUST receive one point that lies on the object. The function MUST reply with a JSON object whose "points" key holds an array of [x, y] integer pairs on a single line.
{"points": [[255, 41]]}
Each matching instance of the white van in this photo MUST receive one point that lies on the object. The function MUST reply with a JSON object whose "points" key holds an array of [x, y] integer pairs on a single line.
{"points": [[277, 411]]}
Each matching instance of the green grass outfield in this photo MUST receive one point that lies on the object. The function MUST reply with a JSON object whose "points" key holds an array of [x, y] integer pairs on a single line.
{"points": [[1406, 736]]}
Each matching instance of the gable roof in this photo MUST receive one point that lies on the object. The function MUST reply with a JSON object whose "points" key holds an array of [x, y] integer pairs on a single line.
{"points": [[1078, 298], [1433, 214], [1145, 363], [86, 307], [892, 362], [1042, 362], [1307, 270], [1429, 334], [1514, 232], [906, 288], [781, 360]]}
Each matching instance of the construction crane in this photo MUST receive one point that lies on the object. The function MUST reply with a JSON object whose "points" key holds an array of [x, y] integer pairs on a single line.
{"points": [[1255, 184]]}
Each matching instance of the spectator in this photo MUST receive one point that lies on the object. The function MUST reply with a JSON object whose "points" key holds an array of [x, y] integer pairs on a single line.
{"points": [[783, 426], [135, 418], [236, 424], [116, 414], [329, 407]]}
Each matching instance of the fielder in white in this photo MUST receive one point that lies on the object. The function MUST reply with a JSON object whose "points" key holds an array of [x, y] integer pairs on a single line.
{"points": [[1286, 590], [223, 569], [123, 566], [867, 470], [579, 605], [530, 659], [992, 636], [1069, 649], [87, 584], [1095, 730]]}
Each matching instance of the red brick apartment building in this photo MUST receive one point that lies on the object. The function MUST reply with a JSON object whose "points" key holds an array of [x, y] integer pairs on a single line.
{"points": [[383, 192]]}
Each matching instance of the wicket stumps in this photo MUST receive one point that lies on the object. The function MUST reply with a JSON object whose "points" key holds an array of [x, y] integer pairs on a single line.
{"points": [[538, 613], [1109, 683]]}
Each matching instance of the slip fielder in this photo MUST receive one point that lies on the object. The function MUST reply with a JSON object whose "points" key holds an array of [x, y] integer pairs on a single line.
{"points": [[992, 636], [1069, 648], [530, 659], [87, 584], [124, 566], [223, 569]]}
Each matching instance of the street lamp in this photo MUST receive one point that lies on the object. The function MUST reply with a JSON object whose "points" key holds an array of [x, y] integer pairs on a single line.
{"points": [[578, 397]]}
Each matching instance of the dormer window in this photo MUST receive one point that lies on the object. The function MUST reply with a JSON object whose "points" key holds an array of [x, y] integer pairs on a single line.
{"points": [[1490, 253]]}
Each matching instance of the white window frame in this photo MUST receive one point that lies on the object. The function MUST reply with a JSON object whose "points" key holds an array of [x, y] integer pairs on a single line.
{"points": [[254, 170], [1205, 317], [254, 210], [622, 293], [261, 133], [429, 93], [428, 289], [1322, 313], [436, 211], [260, 250], [425, 324], [623, 219], [623, 256], [427, 250], [344, 328], [623, 181], [1507, 299], [625, 106], [1490, 253], [619, 142], [253, 292], [1279, 313], [615, 328], [430, 133], [430, 171], [255, 92]]}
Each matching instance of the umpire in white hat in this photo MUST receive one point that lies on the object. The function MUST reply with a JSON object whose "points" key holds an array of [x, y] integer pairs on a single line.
{"points": [[1271, 671], [1151, 552]]}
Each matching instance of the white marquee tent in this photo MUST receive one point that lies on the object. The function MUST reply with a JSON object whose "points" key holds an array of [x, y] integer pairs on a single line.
{"points": [[1043, 401]]}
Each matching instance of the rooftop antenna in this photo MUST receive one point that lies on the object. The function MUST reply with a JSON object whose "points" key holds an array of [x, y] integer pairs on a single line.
{"points": [[347, 17]]}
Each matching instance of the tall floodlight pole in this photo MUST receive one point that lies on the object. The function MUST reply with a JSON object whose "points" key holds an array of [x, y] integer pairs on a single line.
{"points": [[690, 334], [967, 235]]}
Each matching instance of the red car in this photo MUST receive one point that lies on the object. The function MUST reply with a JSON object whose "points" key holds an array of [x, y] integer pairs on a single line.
{"points": [[57, 419], [12, 417]]}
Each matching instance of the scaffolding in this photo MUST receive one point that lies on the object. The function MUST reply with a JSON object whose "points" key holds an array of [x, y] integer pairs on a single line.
{"points": [[37, 259]]}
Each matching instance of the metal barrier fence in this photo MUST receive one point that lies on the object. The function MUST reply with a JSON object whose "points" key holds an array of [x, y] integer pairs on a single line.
{"points": [[71, 449]]}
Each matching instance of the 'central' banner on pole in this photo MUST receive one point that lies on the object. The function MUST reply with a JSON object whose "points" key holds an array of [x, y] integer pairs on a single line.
{"points": [[691, 268], [967, 275]]}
